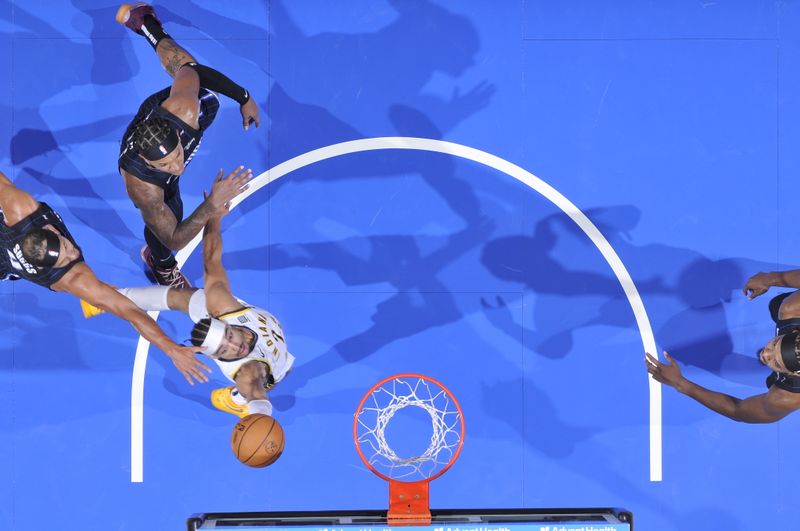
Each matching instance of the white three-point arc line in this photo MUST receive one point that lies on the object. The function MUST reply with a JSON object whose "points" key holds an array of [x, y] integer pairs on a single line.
{"points": [[447, 148]]}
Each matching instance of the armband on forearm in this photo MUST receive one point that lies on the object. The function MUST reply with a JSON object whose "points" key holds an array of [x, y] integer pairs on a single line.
{"points": [[219, 82]]}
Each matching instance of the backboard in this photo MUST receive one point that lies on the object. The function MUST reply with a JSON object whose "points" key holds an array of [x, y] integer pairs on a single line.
{"points": [[585, 519]]}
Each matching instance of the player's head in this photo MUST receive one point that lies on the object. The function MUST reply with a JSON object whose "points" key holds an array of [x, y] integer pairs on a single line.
{"points": [[222, 341], [159, 145], [44, 249], [782, 353]]}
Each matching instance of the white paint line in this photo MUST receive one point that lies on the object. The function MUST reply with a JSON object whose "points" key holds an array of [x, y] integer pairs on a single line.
{"points": [[448, 148]]}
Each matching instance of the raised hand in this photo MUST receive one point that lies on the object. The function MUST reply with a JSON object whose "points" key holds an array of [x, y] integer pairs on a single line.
{"points": [[224, 190], [250, 114], [666, 373], [186, 361], [757, 285]]}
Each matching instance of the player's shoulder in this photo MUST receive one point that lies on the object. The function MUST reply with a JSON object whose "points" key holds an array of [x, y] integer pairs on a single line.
{"points": [[243, 314], [782, 398], [186, 109], [253, 314]]}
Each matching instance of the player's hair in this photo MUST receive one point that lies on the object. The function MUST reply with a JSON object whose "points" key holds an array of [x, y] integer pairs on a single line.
{"points": [[34, 246], [151, 133], [200, 331]]}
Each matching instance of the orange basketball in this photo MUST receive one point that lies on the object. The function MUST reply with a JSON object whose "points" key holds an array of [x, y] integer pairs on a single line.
{"points": [[257, 440]]}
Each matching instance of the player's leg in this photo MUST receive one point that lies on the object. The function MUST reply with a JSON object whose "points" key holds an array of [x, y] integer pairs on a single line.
{"points": [[141, 18], [151, 298]]}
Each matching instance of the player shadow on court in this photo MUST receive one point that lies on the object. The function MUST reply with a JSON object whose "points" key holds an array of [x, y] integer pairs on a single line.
{"points": [[440, 172], [36, 328], [94, 75], [383, 92], [89, 65], [422, 298], [48, 151], [571, 446], [685, 292], [79, 194]]}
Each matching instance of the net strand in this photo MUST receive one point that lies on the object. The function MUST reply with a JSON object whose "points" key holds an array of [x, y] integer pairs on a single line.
{"points": [[386, 402]]}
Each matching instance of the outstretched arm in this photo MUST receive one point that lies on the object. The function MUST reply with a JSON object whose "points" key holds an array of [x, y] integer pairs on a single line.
{"points": [[759, 409], [219, 82], [15, 203], [219, 299], [149, 198], [173, 57], [183, 98], [759, 283], [82, 282]]}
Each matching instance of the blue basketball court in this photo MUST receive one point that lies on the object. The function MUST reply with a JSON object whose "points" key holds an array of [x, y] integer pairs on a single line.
{"points": [[514, 197]]}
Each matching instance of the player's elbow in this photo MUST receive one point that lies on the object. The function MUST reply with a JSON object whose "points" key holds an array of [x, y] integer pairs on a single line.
{"points": [[172, 242]]}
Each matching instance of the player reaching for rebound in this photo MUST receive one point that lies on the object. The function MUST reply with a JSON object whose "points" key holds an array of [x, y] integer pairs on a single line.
{"points": [[35, 245], [781, 354], [162, 139], [246, 342]]}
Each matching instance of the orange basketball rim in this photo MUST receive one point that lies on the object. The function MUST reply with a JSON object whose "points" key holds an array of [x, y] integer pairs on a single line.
{"points": [[408, 477]]}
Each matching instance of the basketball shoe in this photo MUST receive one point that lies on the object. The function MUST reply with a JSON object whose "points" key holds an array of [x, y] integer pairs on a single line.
{"points": [[222, 399], [89, 310], [132, 15], [164, 276]]}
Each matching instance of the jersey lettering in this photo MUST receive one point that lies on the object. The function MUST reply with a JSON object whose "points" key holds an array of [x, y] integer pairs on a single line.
{"points": [[18, 261]]}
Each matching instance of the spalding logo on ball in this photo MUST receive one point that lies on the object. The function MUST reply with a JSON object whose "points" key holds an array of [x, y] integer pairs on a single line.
{"points": [[257, 440]]}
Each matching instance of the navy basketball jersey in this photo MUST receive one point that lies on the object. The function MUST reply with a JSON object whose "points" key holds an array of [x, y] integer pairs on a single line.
{"points": [[785, 381], [13, 265], [129, 159]]}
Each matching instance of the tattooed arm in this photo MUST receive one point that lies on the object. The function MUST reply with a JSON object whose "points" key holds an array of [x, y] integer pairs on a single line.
{"points": [[172, 56], [149, 199], [183, 101]]}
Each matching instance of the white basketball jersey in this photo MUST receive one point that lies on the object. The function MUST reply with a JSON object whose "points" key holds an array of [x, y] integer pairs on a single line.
{"points": [[270, 345]]}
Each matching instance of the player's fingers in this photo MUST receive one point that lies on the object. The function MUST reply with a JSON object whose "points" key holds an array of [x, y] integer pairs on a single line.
{"points": [[652, 360], [220, 173], [235, 173], [669, 358], [256, 119], [244, 176]]}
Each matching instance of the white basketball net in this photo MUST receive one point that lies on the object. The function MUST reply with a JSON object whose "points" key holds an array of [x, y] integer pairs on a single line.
{"points": [[381, 406]]}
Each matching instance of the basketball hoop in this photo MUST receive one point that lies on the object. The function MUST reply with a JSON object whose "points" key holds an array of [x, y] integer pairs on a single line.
{"points": [[408, 477]]}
